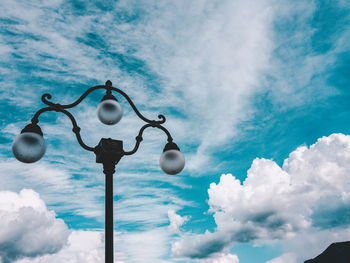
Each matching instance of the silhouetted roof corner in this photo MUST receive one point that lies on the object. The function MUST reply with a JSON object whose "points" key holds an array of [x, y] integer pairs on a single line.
{"points": [[338, 252]]}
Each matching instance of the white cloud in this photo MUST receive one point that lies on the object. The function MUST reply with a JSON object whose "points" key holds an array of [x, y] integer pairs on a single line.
{"points": [[223, 258], [30, 233], [285, 258], [310, 243], [143, 246], [205, 59], [208, 52], [280, 203], [196, 54], [200, 246], [299, 67], [176, 221], [55, 185], [82, 247], [28, 229]]}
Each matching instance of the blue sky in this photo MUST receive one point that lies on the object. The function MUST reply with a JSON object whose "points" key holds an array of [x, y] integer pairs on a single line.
{"points": [[256, 95]]}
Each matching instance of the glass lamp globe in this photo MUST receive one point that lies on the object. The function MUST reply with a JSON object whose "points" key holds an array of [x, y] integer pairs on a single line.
{"points": [[109, 111], [172, 161], [29, 146]]}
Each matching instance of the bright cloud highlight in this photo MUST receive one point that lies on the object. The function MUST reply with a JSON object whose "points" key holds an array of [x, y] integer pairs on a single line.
{"points": [[176, 221], [222, 258], [279, 202], [28, 228]]}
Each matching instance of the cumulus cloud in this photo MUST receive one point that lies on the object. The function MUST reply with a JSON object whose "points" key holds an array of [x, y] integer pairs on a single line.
{"points": [[279, 202], [30, 233], [176, 221], [82, 247], [28, 228]]}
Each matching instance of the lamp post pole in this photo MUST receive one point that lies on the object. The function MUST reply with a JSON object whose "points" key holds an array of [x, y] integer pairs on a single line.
{"points": [[29, 146]]}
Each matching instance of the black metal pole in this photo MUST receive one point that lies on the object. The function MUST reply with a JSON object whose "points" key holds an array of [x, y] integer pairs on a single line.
{"points": [[109, 169], [109, 152]]}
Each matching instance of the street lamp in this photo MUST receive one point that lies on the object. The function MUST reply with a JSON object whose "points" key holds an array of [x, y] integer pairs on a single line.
{"points": [[29, 146]]}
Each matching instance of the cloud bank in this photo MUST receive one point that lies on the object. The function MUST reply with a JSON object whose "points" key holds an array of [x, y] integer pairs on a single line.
{"points": [[82, 247], [30, 233], [28, 228], [280, 202]]}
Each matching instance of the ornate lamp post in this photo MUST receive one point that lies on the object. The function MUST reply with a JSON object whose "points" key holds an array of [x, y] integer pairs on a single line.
{"points": [[29, 146]]}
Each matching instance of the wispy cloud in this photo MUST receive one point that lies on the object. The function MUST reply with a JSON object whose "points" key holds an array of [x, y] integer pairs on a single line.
{"points": [[55, 185], [193, 57]]}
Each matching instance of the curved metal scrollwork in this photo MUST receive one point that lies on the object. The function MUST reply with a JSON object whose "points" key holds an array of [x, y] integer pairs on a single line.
{"points": [[108, 87], [76, 129], [139, 136]]}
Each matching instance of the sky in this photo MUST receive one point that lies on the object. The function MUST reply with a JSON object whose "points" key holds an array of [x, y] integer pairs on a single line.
{"points": [[256, 95]]}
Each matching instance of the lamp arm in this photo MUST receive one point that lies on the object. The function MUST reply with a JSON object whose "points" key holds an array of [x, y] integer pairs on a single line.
{"points": [[45, 97], [108, 87], [139, 136], [76, 128]]}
